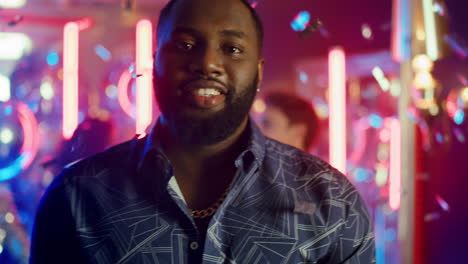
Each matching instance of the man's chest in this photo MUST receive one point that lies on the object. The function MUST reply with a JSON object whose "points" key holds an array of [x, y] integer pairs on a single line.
{"points": [[143, 233]]}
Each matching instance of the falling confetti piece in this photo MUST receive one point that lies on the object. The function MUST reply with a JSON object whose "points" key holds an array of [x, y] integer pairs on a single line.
{"points": [[431, 217], [459, 135], [439, 137], [15, 21], [134, 76], [300, 21], [439, 9], [443, 204], [366, 31], [457, 46], [324, 32], [462, 79], [311, 28], [103, 53]]}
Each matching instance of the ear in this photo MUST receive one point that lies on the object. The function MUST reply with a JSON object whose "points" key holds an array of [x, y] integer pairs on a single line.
{"points": [[260, 64]]}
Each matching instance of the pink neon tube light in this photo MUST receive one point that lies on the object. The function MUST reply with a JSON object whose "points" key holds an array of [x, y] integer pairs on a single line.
{"points": [[144, 70], [122, 93], [337, 108], [70, 79], [395, 165]]}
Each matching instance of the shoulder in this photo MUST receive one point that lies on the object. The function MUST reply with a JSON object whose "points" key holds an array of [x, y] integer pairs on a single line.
{"points": [[117, 158], [306, 174]]}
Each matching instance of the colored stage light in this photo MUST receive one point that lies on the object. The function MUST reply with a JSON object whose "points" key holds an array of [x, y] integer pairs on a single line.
{"points": [[5, 89], [375, 121], [395, 165], [70, 79], [337, 102], [422, 62], [6, 135], [431, 31], [30, 143], [12, 3], [144, 71], [52, 58], [46, 90], [122, 95], [14, 45], [401, 30], [459, 117], [380, 77]]}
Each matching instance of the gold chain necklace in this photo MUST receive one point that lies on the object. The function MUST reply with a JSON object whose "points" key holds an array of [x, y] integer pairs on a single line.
{"points": [[212, 209]]}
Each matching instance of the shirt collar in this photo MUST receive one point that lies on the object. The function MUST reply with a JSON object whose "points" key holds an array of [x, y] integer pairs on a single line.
{"points": [[152, 148]]}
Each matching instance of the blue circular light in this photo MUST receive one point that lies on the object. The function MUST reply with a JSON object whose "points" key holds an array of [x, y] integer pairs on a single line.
{"points": [[459, 116], [52, 58]]}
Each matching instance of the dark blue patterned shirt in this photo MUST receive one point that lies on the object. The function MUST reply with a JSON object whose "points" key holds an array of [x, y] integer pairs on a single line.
{"points": [[122, 206]]}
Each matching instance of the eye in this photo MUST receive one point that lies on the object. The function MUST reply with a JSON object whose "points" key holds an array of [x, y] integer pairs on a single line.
{"points": [[232, 49], [183, 45]]}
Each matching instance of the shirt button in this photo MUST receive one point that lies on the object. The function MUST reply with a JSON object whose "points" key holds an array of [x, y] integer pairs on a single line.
{"points": [[194, 245]]}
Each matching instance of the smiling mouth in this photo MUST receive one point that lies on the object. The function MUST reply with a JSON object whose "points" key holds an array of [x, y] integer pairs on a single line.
{"points": [[204, 94], [204, 98]]}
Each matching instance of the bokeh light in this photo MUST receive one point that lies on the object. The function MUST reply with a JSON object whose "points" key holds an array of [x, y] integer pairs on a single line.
{"points": [[6, 135]]}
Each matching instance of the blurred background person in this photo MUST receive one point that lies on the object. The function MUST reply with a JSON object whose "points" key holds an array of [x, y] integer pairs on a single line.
{"points": [[93, 135], [290, 119]]}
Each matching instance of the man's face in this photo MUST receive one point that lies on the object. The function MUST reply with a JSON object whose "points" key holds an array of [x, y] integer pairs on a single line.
{"points": [[207, 69]]}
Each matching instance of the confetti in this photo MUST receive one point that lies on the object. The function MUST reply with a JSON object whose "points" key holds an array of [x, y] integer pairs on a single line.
{"points": [[103, 53], [366, 31], [311, 28], [459, 135], [16, 20], [443, 204], [128, 5], [134, 75], [131, 68], [324, 32], [300, 21], [439, 137], [457, 46], [431, 217], [462, 79], [439, 9]]}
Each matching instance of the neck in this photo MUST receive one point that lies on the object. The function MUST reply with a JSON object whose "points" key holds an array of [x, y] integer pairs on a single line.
{"points": [[198, 160], [204, 172]]}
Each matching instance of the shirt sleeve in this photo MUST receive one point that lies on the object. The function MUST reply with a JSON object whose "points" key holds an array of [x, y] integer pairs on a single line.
{"points": [[54, 239], [356, 243]]}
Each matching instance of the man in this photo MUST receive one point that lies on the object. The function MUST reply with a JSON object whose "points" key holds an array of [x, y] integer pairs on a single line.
{"points": [[290, 119], [205, 186]]}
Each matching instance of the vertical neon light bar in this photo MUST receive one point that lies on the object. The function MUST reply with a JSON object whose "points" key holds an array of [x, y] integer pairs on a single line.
{"points": [[5, 89], [395, 165], [401, 30], [430, 27], [70, 79], [144, 70], [337, 102]]}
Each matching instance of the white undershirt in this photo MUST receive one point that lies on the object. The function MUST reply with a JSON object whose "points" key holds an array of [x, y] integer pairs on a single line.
{"points": [[175, 186]]}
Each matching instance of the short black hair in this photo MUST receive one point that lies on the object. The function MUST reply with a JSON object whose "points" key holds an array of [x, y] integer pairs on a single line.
{"points": [[298, 111], [164, 14]]}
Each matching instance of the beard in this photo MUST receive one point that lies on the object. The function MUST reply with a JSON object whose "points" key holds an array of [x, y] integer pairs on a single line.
{"points": [[207, 130]]}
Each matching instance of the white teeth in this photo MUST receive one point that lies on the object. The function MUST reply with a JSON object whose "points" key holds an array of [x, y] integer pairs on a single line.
{"points": [[208, 92]]}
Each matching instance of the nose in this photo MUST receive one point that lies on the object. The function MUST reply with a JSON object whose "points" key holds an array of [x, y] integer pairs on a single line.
{"points": [[207, 61]]}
